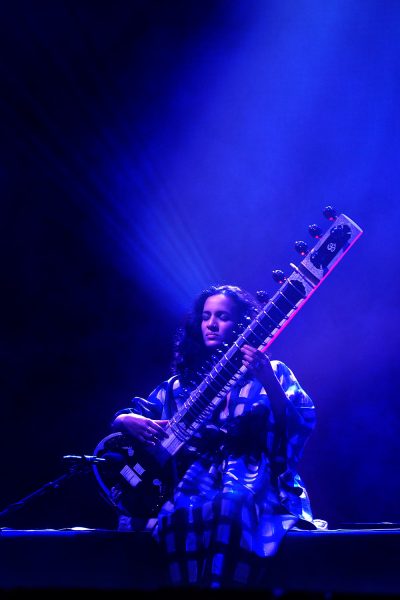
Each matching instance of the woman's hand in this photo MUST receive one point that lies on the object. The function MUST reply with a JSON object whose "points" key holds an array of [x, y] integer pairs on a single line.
{"points": [[258, 363], [145, 430]]}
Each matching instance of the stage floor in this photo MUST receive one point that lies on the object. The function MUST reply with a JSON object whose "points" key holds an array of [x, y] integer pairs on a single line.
{"points": [[329, 563]]}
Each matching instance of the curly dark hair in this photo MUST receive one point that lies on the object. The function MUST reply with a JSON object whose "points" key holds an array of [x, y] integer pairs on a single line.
{"points": [[189, 351]]}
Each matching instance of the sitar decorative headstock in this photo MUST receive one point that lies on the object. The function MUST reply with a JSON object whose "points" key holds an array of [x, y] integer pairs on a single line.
{"points": [[315, 266]]}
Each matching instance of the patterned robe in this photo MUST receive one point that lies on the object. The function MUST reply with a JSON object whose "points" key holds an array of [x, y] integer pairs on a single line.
{"points": [[241, 491]]}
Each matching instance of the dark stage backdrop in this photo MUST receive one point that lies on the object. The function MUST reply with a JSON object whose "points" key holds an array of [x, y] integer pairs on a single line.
{"points": [[150, 148]]}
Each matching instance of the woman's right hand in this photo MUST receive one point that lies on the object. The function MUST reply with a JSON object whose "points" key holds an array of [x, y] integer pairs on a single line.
{"points": [[145, 430]]}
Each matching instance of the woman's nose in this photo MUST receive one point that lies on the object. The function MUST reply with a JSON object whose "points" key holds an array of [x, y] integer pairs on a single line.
{"points": [[212, 324]]}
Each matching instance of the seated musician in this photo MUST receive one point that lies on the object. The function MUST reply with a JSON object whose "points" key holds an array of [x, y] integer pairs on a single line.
{"points": [[237, 489]]}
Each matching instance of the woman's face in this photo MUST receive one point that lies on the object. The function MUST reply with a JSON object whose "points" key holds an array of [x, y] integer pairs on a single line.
{"points": [[220, 316]]}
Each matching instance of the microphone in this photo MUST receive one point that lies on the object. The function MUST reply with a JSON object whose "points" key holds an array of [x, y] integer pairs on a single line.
{"points": [[83, 458]]}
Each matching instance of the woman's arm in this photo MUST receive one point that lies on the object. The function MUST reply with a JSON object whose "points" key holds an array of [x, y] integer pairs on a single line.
{"points": [[144, 429]]}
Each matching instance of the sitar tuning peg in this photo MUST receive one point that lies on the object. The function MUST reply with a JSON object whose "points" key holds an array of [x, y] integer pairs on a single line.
{"points": [[262, 296], [301, 248], [315, 231], [278, 276], [329, 213]]}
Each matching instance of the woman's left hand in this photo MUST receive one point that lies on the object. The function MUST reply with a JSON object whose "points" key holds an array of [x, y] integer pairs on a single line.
{"points": [[257, 362]]}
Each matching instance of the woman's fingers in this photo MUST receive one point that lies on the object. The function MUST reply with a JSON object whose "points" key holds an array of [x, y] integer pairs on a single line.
{"points": [[252, 358], [155, 431], [158, 429]]}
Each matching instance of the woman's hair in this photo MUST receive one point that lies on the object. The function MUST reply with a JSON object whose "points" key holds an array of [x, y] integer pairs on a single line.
{"points": [[189, 352]]}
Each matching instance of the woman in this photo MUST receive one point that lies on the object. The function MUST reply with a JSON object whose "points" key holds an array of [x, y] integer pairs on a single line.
{"points": [[238, 491]]}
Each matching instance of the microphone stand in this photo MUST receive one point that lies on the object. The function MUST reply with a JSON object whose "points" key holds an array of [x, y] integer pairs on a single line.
{"points": [[77, 464]]}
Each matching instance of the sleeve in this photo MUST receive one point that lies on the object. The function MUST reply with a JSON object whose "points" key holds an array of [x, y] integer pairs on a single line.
{"points": [[300, 422], [152, 407], [300, 414]]}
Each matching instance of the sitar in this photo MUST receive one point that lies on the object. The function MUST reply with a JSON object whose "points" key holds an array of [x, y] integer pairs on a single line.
{"points": [[136, 478]]}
